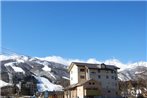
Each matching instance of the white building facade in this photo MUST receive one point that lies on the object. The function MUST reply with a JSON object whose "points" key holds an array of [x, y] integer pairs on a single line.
{"points": [[106, 75]]}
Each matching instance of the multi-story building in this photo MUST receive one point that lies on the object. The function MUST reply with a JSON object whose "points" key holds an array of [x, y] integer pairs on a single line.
{"points": [[105, 76]]}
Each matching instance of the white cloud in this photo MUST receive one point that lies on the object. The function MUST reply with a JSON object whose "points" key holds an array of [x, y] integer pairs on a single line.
{"points": [[61, 60], [113, 61]]}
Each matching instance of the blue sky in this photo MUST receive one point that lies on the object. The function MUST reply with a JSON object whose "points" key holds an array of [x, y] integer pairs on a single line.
{"points": [[82, 30]]}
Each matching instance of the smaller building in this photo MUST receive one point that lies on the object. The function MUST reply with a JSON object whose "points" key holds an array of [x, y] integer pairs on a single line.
{"points": [[85, 89]]}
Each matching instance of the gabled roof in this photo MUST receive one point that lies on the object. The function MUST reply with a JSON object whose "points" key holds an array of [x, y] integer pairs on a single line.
{"points": [[79, 84], [90, 65]]}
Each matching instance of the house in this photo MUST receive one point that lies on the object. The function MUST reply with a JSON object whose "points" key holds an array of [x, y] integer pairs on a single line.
{"points": [[104, 77], [84, 88]]}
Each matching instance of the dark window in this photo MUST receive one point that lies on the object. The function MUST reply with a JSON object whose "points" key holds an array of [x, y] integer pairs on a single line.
{"points": [[99, 76], [107, 77], [111, 71], [116, 93], [93, 83], [109, 91], [115, 78], [82, 77], [93, 72], [99, 71], [89, 83], [82, 70]]}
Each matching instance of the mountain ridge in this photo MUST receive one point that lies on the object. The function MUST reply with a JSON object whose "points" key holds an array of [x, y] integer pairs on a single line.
{"points": [[56, 71]]}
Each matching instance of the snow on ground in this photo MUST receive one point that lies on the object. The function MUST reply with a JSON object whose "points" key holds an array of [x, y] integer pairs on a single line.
{"points": [[66, 78], [44, 84], [16, 69], [3, 83], [139, 72], [52, 75], [46, 68], [10, 64]]}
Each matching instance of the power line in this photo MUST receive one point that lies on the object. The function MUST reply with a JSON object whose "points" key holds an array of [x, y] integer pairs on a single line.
{"points": [[10, 52]]}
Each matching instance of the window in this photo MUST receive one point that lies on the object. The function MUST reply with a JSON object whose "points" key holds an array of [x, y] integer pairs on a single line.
{"points": [[82, 70], [71, 78], [109, 91], [82, 77], [93, 72], [112, 77], [112, 71], [91, 83], [107, 71], [115, 78], [107, 77], [99, 76], [98, 70]]}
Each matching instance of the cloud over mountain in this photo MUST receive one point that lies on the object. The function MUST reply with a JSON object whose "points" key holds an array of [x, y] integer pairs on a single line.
{"points": [[116, 62]]}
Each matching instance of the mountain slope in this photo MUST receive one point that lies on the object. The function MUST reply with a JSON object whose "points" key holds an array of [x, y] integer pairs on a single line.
{"points": [[20, 66], [17, 67]]}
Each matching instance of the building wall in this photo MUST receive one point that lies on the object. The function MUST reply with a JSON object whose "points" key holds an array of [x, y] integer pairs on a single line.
{"points": [[74, 75], [80, 92], [92, 88], [107, 78], [74, 93], [81, 74], [71, 93]]}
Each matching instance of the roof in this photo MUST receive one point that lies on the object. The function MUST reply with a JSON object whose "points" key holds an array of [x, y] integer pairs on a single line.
{"points": [[90, 65], [78, 84]]}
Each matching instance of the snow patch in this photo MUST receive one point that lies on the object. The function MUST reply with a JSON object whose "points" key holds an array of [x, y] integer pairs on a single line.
{"points": [[44, 84], [18, 69], [139, 72], [10, 64], [46, 68], [3, 83], [66, 78]]}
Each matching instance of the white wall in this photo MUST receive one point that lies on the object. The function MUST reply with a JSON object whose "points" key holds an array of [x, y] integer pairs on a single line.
{"points": [[74, 75]]}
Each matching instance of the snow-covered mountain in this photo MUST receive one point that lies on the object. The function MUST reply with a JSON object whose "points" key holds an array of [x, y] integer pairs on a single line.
{"points": [[53, 70], [18, 67], [126, 72]]}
